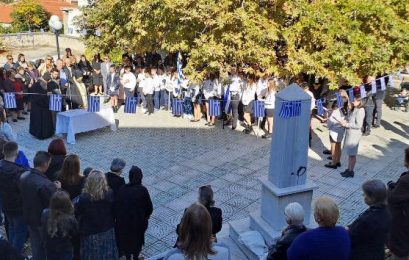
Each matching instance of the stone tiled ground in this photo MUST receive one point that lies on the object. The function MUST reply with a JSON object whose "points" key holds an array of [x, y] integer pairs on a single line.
{"points": [[178, 156]]}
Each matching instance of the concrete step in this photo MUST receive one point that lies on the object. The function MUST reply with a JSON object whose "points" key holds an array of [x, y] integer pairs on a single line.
{"points": [[238, 227]]}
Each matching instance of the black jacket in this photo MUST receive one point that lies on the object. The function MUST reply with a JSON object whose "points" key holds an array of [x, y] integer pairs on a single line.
{"points": [[55, 167], [368, 234], [115, 182], [133, 207], [279, 250], [398, 204], [9, 191], [94, 216], [36, 190], [8, 252]]}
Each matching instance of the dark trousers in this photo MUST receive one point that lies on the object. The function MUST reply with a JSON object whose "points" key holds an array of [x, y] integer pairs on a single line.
{"points": [[234, 101], [368, 118], [149, 103], [36, 242], [377, 112], [17, 232]]}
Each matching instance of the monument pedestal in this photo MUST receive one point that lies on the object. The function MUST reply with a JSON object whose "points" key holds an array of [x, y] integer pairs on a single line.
{"points": [[271, 220]]}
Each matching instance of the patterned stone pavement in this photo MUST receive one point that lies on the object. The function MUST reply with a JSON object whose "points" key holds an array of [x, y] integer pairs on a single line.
{"points": [[178, 156]]}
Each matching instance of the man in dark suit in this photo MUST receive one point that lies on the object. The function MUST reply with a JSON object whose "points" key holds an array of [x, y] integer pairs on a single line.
{"points": [[36, 191]]}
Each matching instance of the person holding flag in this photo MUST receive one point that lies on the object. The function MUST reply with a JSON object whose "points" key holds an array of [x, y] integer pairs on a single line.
{"points": [[211, 90]]}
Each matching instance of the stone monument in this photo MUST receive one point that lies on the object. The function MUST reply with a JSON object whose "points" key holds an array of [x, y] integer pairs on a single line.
{"points": [[287, 176]]}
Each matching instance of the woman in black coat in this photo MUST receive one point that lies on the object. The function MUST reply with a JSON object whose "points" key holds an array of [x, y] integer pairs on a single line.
{"points": [[398, 204], [58, 153], [369, 231], [133, 207]]}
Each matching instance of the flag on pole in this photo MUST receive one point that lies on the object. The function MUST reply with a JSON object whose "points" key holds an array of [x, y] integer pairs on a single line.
{"points": [[94, 103], [362, 91], [130, 105], [214, 107], [320, 107], [177, 107], [383, 84], [226, 100], [340, 102], [373, 87], [391, 82], [10, 100], [179, 65], [351, 94], [55, 102], [258, 109]]}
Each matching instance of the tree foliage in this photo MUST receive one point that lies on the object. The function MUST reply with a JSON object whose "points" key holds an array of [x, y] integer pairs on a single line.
{"points": [[29, 15], [330, 38]]}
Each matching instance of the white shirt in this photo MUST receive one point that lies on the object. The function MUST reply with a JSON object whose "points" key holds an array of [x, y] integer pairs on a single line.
{"points": [[236, 84], [148, 86], [269, 98], [261, 85], [129, 81], [312, 99], [156, 82], [248, 95], [211, 88]]}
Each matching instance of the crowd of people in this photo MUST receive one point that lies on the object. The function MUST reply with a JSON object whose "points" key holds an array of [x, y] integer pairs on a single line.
{"points": [[69, 214]]}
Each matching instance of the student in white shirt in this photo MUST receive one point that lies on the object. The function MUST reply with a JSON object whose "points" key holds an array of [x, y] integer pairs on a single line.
{"points": [[235, 92], [170, 87], [156, 89], [268, 95], [139, 80], [162, 82], [148, 87], [247, 99], [128, 81], [211, 88]]}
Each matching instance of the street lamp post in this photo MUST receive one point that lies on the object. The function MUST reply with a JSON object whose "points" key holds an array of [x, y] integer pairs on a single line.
{"points": [[56, 26]]}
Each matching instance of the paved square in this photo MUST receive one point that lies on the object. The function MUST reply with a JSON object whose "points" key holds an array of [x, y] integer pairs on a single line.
{"points": [[178, 156]]}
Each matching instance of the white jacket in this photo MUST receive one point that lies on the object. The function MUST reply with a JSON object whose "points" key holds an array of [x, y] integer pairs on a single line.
{"points": [[249, 93]]}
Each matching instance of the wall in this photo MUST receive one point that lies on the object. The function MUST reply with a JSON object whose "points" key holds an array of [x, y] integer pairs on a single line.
{"points": [[30, 40]]}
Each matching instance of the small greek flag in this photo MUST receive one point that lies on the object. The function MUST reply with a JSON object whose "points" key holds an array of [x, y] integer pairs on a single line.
{"points": [[130, 105], [94, 103], [258, 109], [55, 102], [177, 107], [383, 84], [391, 82], [362, 91], [214, 107], [179, 68], [10, 100], [340, 102], [373, 87], [320, 107], [351, 94], [226, 100], [290, 109]]}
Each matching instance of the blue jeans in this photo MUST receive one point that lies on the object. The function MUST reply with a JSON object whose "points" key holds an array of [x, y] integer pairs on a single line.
{"points": [[36, 242], [59, 255], [17, 232], [163, 98], [156, 99]]}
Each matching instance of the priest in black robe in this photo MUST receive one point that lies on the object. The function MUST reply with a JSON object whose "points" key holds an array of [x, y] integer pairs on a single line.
{"points": [[41, 122]]}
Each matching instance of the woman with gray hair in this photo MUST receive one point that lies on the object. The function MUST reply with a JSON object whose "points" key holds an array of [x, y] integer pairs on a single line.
{"points": [[114, 176], [368, 232], [294, 216]]}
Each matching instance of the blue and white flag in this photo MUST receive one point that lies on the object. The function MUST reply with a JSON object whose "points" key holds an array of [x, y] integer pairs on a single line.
{"points": [[383, 84], [55, 102], [10, 100], [391, 82], [373, 87], [340, 102], [351, 94], [130, 105], [214, 107], [320, 107], [362, 91], [179, 64], [177, 107], [94, 103], [226, 100], [290, 109], [258, 109]]}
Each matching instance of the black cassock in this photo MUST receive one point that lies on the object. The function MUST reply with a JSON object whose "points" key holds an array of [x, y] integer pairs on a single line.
{"points": [[41, 122]]}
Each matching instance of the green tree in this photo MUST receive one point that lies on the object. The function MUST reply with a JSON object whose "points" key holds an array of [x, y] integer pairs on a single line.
{"points": [[29, 15], [330, 38]]}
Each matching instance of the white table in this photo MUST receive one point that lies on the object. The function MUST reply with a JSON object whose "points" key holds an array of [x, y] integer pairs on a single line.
{"points": [[78, 121]]}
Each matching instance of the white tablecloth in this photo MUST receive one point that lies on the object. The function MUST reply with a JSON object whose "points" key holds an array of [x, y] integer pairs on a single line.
{"points": [[78, 121]]}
